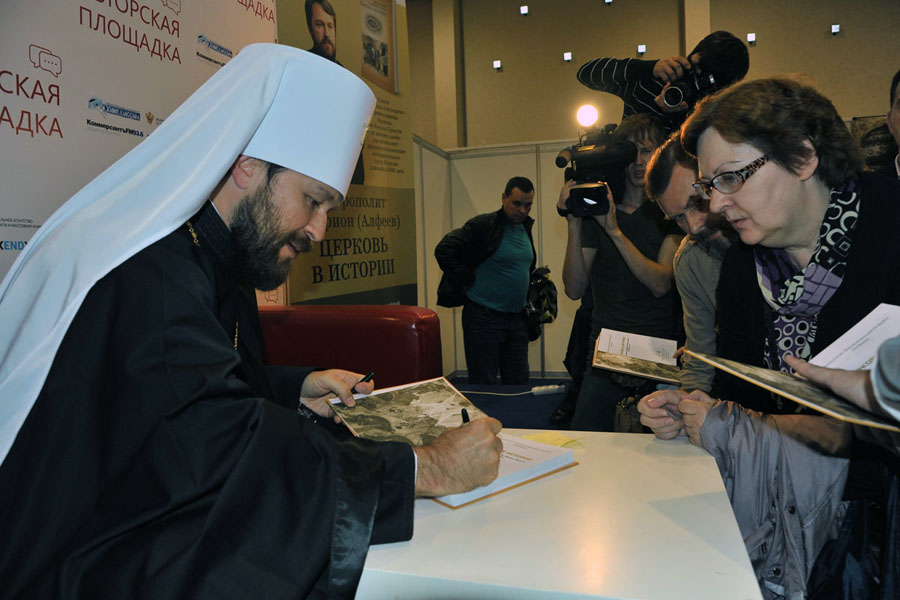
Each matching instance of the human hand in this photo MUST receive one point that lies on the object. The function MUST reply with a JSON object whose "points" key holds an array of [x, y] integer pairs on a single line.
{"points": [[608, 221], [564, 194], [460, 459], [672, 68], [855, 386], [694, 408], [659, 411], [319, 386]]}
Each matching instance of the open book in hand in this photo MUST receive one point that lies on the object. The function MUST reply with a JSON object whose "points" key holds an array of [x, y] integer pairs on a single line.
{"points": [[635, 354], [417, 413], [800, 390]]}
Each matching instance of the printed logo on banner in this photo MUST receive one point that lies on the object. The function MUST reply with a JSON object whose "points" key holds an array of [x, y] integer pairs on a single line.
{"points": [[151, 118], [205, 41], [14, 246], [105, 108], [43, 59], [173, 5], [16, 223]]}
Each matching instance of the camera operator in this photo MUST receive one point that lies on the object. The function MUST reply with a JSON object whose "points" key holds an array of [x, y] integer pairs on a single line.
{"points": [[669, 88], [626, 256]]}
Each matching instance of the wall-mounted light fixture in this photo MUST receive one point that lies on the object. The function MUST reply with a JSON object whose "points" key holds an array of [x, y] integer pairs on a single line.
{"points": [[523, 10], [608, 1], [498, 65], [642, 48], [835, 29], [751, 38], [567, 56]]}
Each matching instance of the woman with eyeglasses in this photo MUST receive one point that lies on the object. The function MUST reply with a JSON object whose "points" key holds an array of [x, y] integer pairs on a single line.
{"points": [[820, 249], [821, 239]]}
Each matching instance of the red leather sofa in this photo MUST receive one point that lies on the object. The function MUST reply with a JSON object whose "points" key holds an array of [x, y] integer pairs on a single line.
{"points": [[401, 344]]}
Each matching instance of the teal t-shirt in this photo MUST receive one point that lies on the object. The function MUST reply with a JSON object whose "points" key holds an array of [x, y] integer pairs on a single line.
{"points": [[501, 282]]}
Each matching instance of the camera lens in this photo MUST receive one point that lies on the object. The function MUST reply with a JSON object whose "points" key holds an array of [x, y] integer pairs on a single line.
{"points": [[673, 96]]}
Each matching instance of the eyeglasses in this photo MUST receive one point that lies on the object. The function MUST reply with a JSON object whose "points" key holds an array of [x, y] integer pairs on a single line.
{"points": [[730, 181]]}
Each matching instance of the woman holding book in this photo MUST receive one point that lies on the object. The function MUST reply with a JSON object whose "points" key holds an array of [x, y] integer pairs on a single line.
{"points": [[820, 246], [820, 250]]}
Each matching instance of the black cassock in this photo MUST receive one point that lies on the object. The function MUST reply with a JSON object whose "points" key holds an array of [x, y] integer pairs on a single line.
{"points": [[158, 462]]}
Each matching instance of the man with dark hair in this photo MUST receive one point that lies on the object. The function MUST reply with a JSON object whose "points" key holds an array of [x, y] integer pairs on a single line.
{"points": [[641, 84], [893, 122], [671, 174], [487, 265], [147, 449], [322, 23], [625, 258]]}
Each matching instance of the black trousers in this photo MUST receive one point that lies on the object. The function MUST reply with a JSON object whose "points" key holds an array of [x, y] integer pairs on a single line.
{"points": [[494, 341]]}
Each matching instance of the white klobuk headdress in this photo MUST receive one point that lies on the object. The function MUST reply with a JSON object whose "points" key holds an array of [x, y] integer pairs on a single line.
{"points": [[271, 102]]}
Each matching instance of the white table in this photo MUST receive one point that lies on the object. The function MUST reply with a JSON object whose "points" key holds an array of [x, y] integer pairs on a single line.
{"points": [[637, 518]]}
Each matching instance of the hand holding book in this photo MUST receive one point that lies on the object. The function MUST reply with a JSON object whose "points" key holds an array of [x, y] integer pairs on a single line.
{"points": [[801, 391], [854, 386]]}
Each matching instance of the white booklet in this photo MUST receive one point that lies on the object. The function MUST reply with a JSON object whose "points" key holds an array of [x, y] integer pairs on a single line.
{"points": [[636, 354], [417, 413], [858, 347], [522, 461]]}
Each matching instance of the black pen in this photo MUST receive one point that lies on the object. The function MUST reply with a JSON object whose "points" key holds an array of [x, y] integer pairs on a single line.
{"points": [[363, 380], [465, 416]]}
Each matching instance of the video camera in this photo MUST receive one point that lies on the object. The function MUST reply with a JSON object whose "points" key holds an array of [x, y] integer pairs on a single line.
{"points": [[689, 88], [596, 158]]}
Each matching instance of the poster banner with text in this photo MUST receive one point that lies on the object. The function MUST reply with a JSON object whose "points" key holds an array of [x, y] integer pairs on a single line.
{"points": [[83, 82], [368, 256]]}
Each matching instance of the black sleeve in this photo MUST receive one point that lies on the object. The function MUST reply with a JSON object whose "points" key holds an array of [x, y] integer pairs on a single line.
{"points": [[456, 253], [613, 75], [286, 382], [162, 472]]}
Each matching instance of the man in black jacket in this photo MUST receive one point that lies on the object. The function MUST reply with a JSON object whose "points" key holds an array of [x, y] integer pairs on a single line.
{"points": [[487, 266]]}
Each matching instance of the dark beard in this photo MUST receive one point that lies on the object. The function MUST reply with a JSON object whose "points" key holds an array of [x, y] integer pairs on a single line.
{"points": [[257, 240], [716, 247], [319, 50]]}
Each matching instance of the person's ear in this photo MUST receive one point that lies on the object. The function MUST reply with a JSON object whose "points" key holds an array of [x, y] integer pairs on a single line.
{"points": [[243, 170], [810, 164]]}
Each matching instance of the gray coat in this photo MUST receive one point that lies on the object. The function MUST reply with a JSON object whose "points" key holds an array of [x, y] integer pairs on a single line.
{"points": [[785, 475]]}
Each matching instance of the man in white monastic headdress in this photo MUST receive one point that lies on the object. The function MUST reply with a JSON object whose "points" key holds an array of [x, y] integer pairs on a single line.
{"points": [[147, 450]]}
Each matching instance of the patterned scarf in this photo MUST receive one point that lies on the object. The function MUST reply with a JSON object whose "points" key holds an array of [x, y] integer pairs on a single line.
{"points": [[797, 295]]}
